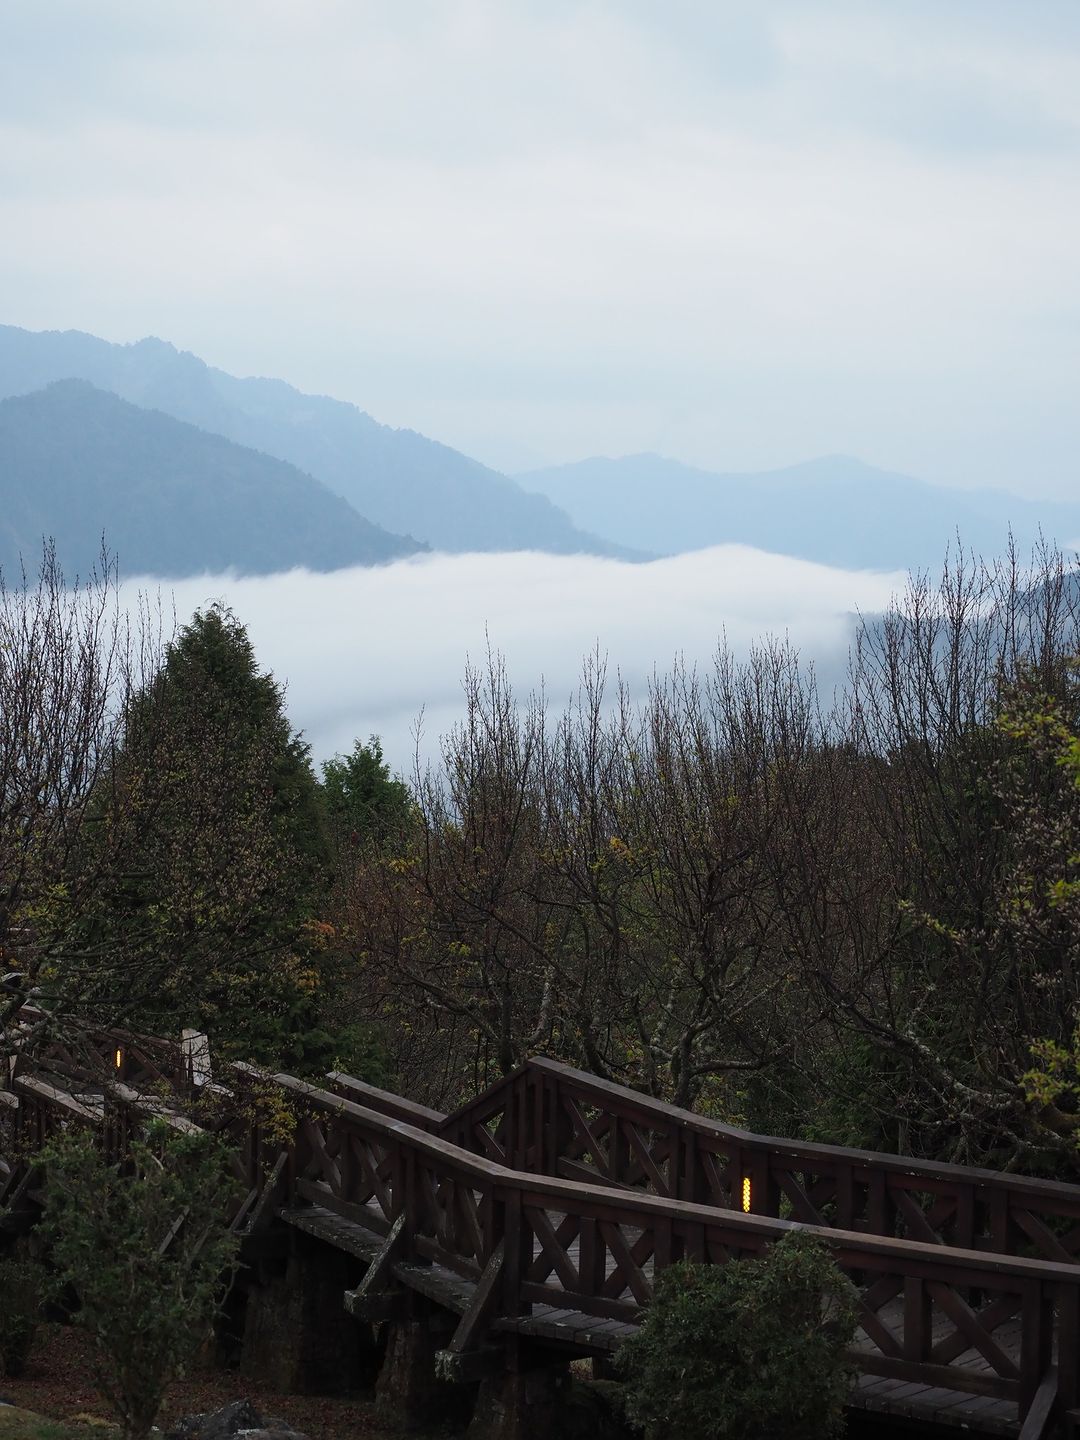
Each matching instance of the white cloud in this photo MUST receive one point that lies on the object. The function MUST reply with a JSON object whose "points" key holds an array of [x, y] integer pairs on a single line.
{"points": [[366, 650]]}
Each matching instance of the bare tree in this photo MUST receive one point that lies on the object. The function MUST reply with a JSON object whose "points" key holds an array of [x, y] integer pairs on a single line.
{"points": [[868, 910], [71, 663], [596, 887], [947, 954]]}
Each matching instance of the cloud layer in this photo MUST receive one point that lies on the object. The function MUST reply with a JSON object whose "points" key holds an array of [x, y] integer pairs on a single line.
{"points": [[365, 651]]}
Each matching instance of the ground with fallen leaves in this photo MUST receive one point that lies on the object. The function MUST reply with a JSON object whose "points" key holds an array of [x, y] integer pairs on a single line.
{"points": [[59, 1384]]}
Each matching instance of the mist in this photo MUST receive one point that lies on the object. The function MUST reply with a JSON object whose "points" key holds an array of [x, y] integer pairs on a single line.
{"points": [[383, 650]]}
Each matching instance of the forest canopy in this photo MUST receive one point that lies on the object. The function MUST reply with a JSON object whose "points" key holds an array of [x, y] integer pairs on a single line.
{"points": [[852, 918]]}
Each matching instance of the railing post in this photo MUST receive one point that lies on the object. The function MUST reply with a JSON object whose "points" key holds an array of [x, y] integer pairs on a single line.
{"points": [[517, 1253], [1036, 1340], [526, 1114], [880, 1210], [686, 1181], [618, 1150], [590, 1256], [1068, 1337], [413, 1207], [532, 1152], [663, 1245], [557, 1133], [845, 1196], [764, 1192], [676, 1157], [917, 1319], [538, 1124], [964, 1221], [346, 1162], [999, 1222], [511, 1126]]}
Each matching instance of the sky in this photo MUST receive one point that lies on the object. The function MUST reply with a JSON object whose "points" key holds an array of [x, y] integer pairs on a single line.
{"points": [[742, 233], [377, 650]]}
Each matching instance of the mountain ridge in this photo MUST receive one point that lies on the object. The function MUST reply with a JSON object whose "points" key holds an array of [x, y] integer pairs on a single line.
{"points": [[170, 498], [398, 479], [837, 510]]}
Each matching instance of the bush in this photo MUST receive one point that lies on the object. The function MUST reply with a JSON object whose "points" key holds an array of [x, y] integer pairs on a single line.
{"points": [[751, 1350], [21, 1287], [146, 1249]]}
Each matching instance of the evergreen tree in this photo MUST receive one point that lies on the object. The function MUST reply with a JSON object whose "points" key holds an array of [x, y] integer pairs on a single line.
{"points": [[145, 1248], [225, 885], [364, 802]]}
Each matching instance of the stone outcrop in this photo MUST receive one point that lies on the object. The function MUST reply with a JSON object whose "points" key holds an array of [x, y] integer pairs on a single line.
{"points": [[239, 1419]]}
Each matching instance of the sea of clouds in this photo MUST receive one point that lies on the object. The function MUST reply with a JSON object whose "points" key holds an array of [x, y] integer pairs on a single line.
{"points": [[367, 651]]}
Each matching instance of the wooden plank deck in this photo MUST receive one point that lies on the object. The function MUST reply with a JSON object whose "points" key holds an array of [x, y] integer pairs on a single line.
{"points": [[593, 1335], [908, 1400]]}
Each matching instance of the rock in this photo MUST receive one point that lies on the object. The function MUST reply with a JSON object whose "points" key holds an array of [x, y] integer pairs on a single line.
{"points": [[238, 1419]]}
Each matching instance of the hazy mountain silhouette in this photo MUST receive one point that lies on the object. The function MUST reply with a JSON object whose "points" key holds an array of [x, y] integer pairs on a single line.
{"points": [[171, 499], [835, 510], [396, 478]]}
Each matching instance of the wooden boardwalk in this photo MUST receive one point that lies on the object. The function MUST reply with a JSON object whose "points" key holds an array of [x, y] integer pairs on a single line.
{"points": [[544, 1210]]}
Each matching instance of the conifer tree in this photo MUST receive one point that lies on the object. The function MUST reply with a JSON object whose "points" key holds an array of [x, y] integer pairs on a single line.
{"points": [[225, 885]]}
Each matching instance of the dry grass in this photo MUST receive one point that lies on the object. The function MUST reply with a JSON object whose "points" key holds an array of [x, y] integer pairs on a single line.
{"points": [[19, 1424]]}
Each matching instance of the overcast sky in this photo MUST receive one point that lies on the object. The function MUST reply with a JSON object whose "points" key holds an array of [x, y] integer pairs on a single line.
{"points": [[741, 234], [365, 651]]}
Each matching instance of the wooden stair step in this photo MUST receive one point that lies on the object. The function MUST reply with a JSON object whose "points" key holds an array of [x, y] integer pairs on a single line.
{"points": [[324, 1225]]}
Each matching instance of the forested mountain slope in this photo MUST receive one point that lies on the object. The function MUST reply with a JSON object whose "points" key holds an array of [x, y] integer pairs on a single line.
{"points": [[171, 500], [398, 479]]}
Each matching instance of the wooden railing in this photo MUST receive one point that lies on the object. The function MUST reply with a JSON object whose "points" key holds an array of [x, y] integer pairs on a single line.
{"points": [[558, 1189], [549, 1119], [968, 1320], [34, 1110], [141, 1061]]}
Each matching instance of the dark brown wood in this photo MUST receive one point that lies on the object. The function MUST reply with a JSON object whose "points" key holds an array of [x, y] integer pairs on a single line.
{"points": [[947, 1377], [1037, 1341], [385, 1101], [606, 1188], [868, 1189], [1040, 1413], [917, 1326], [376, 1297], [481, 1308], [517, 1254]]}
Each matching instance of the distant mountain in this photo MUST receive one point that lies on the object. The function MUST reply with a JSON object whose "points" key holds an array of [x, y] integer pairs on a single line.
{"points": [[171, 499], [835, 510], [396, 478]]}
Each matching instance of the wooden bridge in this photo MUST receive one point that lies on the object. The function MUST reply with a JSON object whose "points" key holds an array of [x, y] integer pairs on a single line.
{"points": [[537, 1217]]}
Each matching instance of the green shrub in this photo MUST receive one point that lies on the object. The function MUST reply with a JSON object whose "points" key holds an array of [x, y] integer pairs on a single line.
{"points": [[21, 1287], [751, 1350], [146, 1249]]}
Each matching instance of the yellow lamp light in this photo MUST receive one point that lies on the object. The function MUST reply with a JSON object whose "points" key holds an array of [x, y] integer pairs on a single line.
{"points": [[118, 1058], [746, 1194]]}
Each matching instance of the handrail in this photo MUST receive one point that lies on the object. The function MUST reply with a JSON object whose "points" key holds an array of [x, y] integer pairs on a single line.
{"points": [[689, 1120], [798, 1149], [499, 1225], [640, 1203], [528, 1237], [631, 1202], [31, 1085], [116, 1048], [385, 1100]]}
